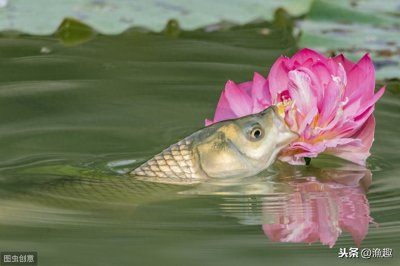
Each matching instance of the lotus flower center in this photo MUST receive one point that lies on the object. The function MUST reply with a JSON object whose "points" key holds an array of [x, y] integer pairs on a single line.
{"points": [[285, 103]]}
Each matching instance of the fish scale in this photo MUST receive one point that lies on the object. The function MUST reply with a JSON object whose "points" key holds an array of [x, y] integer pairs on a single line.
{"points": [[174, 162]]}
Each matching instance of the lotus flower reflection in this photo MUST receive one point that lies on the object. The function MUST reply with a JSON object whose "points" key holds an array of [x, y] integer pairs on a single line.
{"points": [[318, 211], [328, 101]]}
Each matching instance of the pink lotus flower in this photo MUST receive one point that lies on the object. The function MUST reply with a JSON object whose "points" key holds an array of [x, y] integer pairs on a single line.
{"points": [[328, 101], [321, 211]]}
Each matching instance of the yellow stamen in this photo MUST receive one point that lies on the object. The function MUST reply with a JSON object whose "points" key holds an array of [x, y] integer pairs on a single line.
{"points": [[315, 121], [282, 107]]}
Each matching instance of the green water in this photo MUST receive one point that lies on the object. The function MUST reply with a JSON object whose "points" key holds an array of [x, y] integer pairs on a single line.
{"points": [[74, 119]]}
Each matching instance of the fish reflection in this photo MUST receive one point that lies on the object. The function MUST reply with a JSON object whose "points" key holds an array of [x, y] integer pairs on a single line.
{"points": [[321, 211]]}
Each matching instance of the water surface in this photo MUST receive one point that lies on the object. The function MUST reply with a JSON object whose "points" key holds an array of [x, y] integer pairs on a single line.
{"points": [[74, 119]]}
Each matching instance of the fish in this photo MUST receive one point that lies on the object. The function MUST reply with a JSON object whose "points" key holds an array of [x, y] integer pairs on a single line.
{"points": [[239, 147]]}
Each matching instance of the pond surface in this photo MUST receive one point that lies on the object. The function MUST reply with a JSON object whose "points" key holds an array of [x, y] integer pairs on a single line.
{"points": [[74, 119]]}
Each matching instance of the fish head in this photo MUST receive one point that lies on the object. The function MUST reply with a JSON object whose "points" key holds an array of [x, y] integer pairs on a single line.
{"points": [[244, 146]]}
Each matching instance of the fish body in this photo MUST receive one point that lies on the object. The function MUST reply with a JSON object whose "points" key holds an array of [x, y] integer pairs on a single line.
{"points": [[231, 148]]}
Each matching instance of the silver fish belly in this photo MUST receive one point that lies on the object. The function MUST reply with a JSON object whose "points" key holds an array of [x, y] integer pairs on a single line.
{"points": [[231, 148]]}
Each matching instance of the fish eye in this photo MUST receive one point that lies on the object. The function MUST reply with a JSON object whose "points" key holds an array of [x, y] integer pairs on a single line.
{"points": [[256, 133]]}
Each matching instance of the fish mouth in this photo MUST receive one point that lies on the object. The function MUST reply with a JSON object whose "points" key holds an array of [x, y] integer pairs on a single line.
{"points": [[283, 127]]}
